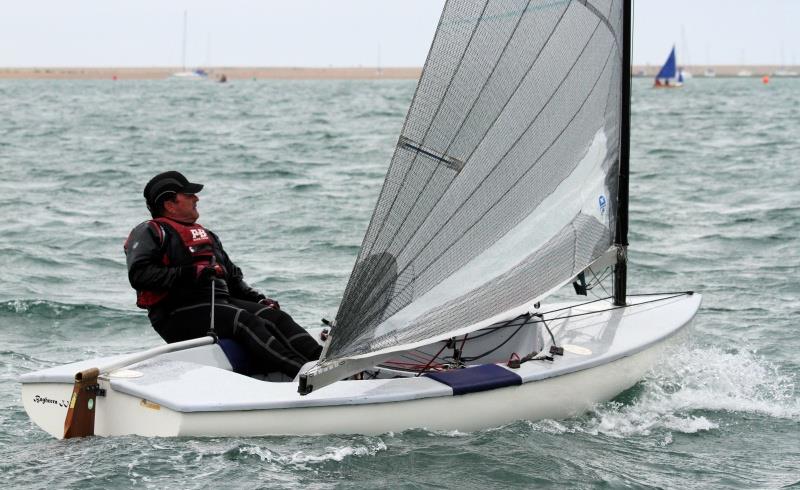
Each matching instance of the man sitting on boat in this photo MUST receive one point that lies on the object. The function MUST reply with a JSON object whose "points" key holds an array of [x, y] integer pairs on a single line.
{"points": [[173, 263]]}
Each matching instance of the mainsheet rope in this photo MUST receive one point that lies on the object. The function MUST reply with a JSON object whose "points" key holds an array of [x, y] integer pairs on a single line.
{"points": [[528, 320]]}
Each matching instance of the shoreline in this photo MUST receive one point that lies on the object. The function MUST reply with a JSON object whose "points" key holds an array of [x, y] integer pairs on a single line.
{"points": [[231, 73], [331, 73], [722, 71]]}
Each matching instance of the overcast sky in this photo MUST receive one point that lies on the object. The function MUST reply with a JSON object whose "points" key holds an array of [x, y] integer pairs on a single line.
{"points": [[351, 32]]}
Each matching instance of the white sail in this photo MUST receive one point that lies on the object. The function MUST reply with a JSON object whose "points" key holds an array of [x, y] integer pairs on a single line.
{"points": [[503, 183]]}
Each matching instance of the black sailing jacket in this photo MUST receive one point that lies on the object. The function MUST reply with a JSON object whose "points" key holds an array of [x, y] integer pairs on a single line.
{"points": [[145, 255]]}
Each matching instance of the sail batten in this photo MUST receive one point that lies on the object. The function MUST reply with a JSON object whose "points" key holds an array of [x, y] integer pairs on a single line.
{"points": [[444, 158], [502, 182], [603, 18]]}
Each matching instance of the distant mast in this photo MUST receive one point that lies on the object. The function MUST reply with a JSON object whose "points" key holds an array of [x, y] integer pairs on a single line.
{"points": [[183, 51], [184, 74], [379, 69]]}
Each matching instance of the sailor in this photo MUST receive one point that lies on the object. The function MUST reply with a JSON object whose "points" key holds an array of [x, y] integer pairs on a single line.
{"points": [[173, 262]]}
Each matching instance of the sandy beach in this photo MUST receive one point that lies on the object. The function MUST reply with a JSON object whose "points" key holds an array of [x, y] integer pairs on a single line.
{"points": [[231, 73]]}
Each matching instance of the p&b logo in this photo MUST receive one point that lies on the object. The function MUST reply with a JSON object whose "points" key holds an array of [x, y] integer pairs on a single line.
{"points": [[199, 234]]}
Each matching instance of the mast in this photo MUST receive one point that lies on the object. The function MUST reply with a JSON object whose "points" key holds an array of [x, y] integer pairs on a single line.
{"points": [[621, 238], [183, 51]]}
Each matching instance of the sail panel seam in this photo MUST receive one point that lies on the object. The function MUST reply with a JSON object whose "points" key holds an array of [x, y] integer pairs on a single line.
{"points": [[604, 19]]}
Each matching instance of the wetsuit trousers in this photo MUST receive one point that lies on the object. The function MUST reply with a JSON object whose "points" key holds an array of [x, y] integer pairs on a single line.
{"points": [[271, 336]]}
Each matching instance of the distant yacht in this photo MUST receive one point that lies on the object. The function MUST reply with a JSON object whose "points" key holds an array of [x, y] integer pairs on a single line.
{"points": [[710, 73], [744, 73], [184, 74], [198, 74]]}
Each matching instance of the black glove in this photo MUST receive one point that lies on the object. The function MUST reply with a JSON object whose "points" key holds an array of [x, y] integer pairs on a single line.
{"points": [[206, 272], [270, 303]]}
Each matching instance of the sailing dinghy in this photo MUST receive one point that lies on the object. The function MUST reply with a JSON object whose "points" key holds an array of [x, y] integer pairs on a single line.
{"points": [[509, 181], [669, 76]]}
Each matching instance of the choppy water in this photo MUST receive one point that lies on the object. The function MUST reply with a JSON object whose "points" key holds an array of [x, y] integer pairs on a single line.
{"points": [[292, 170]]}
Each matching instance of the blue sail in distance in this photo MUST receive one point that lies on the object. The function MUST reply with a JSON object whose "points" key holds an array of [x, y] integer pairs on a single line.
{"points": [[669, 68]]}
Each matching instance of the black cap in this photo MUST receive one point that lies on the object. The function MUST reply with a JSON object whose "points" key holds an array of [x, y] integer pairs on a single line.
{"points": [[167, 183]]}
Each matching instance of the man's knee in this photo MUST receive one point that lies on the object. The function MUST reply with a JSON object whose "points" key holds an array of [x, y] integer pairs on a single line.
{"points": [[245, 321], [274, 316]]}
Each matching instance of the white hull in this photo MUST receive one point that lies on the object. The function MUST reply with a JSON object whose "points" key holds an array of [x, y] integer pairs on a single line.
{"points": [[624, 346], [188, 75]]}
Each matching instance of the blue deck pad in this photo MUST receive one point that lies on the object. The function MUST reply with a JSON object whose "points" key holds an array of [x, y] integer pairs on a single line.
{"points": [[241, 360], [478, 378]]}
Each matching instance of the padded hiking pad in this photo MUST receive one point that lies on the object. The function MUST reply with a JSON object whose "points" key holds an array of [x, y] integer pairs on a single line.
{"points": [[241, 360], [478, 378]]}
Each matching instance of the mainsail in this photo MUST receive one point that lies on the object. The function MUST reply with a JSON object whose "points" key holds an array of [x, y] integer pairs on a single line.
{"points": [[669, 71], [503, 183]]}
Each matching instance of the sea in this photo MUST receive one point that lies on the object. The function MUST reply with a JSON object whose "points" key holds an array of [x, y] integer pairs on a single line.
{"points": [[292, 170]]}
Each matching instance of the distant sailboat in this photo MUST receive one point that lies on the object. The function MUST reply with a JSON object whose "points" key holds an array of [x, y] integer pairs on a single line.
{"points": [[669, 76], [184, 74], [784, 72]]}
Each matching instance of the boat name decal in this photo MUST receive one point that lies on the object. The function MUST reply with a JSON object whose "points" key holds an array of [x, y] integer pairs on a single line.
{"points": [[49, 401]]}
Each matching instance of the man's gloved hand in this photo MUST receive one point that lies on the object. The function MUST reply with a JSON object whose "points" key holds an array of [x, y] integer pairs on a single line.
{"points": [[270, 303], [206, 272]]}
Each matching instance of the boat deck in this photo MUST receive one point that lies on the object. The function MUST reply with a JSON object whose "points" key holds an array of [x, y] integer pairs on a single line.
{"points": [[201, 379]]}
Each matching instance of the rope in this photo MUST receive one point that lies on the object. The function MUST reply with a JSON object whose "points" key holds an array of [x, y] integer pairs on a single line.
{"points": [[531, 356], [479, 356]]}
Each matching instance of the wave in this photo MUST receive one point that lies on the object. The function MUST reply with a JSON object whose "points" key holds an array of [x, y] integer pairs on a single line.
{"points": [[54, 310], [301, 458], [305, 186], [691, 391]]}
